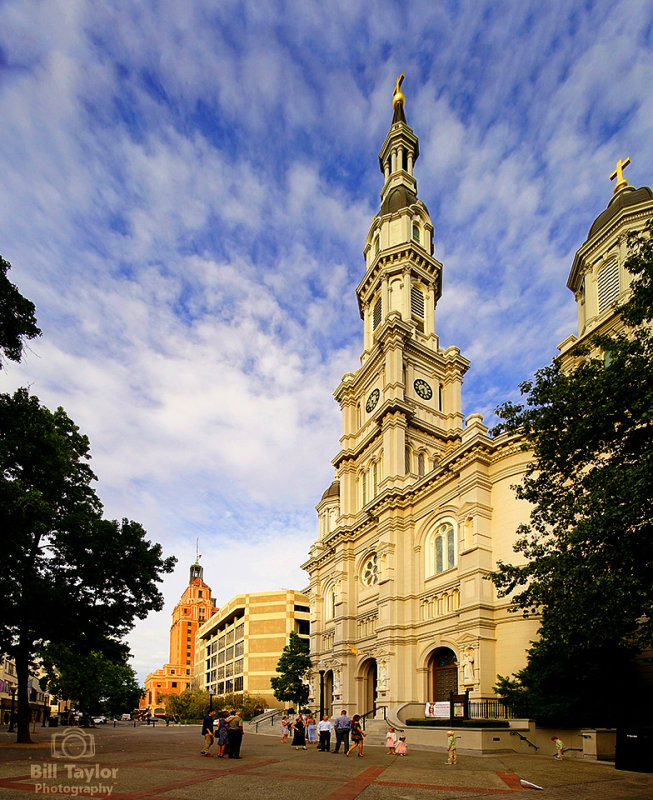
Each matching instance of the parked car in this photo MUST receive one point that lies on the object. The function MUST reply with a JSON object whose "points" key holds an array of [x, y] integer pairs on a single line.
{"points": [[125, 718], [98, 720]]}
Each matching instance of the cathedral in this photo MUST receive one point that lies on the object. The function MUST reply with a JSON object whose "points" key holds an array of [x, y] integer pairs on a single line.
{"points": [[421, 509]]}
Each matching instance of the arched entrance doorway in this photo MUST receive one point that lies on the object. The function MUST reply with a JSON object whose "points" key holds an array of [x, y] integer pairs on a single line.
{"points": [[443, 671], [328, 693], [368, 688]]}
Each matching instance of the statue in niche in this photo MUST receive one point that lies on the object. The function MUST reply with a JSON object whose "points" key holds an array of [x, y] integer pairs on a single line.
{"points": [[382, 677], [468, 666]]}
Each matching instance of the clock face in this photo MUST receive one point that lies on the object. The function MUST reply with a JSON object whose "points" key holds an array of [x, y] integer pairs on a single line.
{"points": [[423, 389], [372, 400]]}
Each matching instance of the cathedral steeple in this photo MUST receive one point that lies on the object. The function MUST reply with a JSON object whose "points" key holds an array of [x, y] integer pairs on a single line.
{"points": [[402, 408], [401, 273]]}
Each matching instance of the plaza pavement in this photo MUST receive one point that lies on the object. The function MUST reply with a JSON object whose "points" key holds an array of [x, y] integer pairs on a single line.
{"points": [[165, 764]]}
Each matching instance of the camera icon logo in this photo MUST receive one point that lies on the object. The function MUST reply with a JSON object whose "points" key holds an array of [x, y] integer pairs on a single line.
{"points": [[72, 744]]}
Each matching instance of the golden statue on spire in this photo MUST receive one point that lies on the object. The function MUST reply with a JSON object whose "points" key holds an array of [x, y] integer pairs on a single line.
{"points": [[619, 175], [398, 96]]}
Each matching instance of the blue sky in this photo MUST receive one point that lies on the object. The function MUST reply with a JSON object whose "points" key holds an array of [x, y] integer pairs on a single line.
{"points": [[186, 190]]}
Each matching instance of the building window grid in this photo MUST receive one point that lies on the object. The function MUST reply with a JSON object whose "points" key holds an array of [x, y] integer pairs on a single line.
{"points": [[227, 651]]}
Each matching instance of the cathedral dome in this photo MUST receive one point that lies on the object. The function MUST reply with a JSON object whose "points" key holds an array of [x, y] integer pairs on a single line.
{"points": [[628, 196], [398, 198], [332, 491]]}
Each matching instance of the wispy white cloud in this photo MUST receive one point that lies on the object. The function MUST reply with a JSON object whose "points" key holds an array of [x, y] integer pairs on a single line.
{"points": [[186, 193]]}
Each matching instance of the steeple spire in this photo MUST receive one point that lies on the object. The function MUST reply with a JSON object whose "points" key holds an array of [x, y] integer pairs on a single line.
{"points": [[401, 276]]}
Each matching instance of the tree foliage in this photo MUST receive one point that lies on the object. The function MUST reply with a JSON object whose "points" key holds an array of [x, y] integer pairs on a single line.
{"points": [[96, 682], [292, 667], [17, 317], [194, 704], [586, 561], [76, 579]]}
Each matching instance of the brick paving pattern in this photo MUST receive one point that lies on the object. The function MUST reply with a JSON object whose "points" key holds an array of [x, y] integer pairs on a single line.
{"points": [[165, 764]]}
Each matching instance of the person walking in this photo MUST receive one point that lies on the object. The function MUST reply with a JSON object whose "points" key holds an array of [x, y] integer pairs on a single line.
{"points": [[207, 733], [342, 726], [285, 727], [357, 736], [451, 748], [299, 733], [391, 741], [235, 734], [324, 728], [560, 748]]}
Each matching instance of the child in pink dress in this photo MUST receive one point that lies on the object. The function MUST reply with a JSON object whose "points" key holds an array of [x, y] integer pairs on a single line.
{"points": [[391, 741], [401, 749]]}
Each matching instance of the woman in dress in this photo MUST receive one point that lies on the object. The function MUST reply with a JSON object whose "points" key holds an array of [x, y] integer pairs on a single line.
{"points": [[285, 727], [299, 733], [310, 728], [223, 736], [357, 735]]}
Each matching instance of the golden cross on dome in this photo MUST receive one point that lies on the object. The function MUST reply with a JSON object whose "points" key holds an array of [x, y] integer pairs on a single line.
{"points": [[619, 175]]}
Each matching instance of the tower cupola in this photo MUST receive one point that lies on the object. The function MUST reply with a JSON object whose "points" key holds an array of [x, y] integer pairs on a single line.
{"points": [[401, 274]]}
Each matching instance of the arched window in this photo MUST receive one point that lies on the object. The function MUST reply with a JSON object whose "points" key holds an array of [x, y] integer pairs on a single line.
{"points": [[407, 460], [375, 479], [377, 244], [440, 549], [415, 232], [330, 603], [363, 482], [420, 465], [370, 571]]}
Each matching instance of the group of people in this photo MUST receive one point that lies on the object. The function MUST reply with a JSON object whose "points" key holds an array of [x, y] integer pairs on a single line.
{"points": [[304, 729], [229, 734]]}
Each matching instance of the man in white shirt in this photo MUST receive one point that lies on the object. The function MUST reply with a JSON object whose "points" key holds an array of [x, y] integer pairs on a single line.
{"points": [[324, 728]]}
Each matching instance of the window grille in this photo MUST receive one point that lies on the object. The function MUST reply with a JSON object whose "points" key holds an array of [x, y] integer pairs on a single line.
{"points": [[417, 302], [608, 285], [376, 314], [371, 571]]}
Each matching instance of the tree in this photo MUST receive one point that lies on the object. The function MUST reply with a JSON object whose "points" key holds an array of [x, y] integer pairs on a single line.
{"points": [[76, 580], [588, 550], [95, 681], [17, 319], [292, 668]]}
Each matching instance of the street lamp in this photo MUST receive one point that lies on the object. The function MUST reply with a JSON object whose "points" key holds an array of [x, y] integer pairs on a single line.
{"points": [[321, 670], [45, 697], [210, 701]]}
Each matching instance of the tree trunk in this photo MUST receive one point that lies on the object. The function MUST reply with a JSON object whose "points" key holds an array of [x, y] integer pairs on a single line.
{"points": [[24, 714]]}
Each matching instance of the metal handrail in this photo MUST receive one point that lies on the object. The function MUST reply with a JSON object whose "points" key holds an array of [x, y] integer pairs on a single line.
{"points": [[271, 718], [524, 739], [374, 711]]}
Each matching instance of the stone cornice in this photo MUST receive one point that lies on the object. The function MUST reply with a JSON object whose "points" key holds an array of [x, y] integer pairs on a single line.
{"points": [[396, 259], [629, 215]]}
